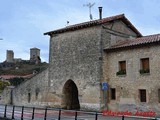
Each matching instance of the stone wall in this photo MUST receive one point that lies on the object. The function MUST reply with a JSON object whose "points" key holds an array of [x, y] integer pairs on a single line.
{"points": [[36, 87], [112, 33], [115, 32], [127, 86], [78, 55], [6, 96], [75, 55]]}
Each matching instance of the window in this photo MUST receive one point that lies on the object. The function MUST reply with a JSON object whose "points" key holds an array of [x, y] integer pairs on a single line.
{"points": [[29, 97], [37, 93], [144, 65], [113, 93], [122, 68], [142, 93], [159, 95]]}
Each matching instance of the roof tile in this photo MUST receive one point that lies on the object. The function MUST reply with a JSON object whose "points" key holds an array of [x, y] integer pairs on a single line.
{"points": [[94, 23], [136, 41]]}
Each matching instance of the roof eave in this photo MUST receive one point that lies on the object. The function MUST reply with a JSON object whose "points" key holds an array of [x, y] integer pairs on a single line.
{"points": [[94, 23], [131, 46]]}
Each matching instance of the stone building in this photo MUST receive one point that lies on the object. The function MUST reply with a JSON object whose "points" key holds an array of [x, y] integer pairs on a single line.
{"points": [[10, 60], [35, 55], [10, 56], [131, 68], [83, 56]]}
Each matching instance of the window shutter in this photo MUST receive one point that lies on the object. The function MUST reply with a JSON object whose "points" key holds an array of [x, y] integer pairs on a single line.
{"points": [[122, 65], [145, 63]]}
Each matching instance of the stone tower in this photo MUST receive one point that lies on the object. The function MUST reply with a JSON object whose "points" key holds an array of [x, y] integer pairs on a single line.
{"points": [[10, 56], [34, 54]]}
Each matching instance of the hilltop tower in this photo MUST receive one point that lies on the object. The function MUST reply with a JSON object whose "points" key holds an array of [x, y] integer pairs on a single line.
{"points": [[10, 56], [34, 54]]}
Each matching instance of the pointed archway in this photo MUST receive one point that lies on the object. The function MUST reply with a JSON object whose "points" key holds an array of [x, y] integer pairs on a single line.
{"points": [[70, 96]]}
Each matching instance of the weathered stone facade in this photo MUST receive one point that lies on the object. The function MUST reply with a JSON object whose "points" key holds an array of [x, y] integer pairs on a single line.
{"points": [[81, 59], [75, 55], [31, 92], [78, 56], [128, 86]]}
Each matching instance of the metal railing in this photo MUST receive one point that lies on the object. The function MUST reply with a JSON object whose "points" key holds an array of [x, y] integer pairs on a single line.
{"points": [[35, 113]]}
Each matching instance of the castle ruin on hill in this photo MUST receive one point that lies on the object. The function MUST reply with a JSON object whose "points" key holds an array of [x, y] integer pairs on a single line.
{"points": [[11, 60]]}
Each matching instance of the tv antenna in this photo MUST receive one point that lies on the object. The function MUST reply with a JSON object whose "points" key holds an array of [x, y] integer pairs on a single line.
{"points": [[90, 5]]}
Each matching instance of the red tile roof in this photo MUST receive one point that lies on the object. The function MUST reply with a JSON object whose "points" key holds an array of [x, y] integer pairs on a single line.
{"points": [[94, 23], [136, 41], [7, 77]]}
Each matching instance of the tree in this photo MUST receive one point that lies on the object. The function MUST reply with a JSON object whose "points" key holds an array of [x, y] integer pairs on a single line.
{"points": [[3, 84], [16, 81]]}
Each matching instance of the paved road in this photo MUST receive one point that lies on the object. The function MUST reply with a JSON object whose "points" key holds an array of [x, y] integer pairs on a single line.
{"points": [[53, 114]]}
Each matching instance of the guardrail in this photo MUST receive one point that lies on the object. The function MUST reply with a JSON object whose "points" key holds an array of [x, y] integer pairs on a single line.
{"points": [[35, 113]]}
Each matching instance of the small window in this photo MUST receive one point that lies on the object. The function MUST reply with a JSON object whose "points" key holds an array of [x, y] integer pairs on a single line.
{"points": [[142, 93], [29, 97], [159, 95], [144, 66], [113, 93], [122, 68], [37, 93]]}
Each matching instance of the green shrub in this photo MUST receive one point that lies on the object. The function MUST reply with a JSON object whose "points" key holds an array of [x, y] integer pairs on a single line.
{"points": [[121, 72], [3, 84], [142, 71]]}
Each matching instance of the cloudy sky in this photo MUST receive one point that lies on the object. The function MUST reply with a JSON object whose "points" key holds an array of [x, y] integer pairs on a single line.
{"points": [[23, 22]]}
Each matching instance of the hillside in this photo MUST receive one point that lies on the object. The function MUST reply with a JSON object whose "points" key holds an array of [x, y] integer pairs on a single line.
{"points": [[23, 69]]}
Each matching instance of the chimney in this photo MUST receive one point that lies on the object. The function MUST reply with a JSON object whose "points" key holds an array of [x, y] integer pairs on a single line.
{"points": [[100, 13]]}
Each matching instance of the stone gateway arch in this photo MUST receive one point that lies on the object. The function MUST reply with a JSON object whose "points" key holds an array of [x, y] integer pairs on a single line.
{"points": [[70, 96]]}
